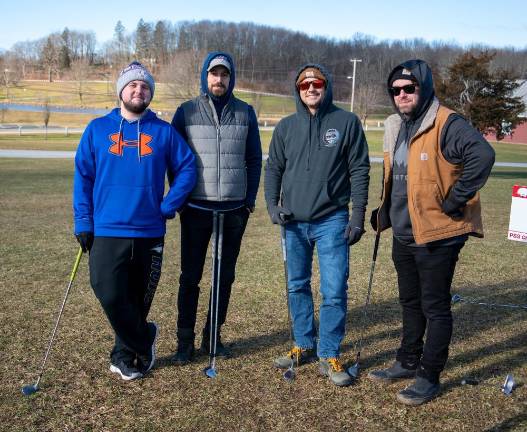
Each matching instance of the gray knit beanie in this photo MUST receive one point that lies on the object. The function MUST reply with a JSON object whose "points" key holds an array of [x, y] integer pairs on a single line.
{"points": [[134, 71]]}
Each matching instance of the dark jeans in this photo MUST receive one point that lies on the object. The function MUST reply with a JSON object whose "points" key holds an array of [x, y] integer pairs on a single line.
{"points": [[124, 273], [196, 231], [425, 276]]}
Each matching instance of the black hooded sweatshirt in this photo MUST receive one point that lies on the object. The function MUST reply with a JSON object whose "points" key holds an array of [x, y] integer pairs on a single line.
{"points": [[460, 144], [318, 162]]}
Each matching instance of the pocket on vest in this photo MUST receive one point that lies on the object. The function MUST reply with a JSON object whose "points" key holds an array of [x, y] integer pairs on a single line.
{"points": [[428, 215]]}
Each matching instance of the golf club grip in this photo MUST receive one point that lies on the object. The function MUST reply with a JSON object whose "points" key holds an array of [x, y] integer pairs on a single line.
{"points": [[76, 265]]}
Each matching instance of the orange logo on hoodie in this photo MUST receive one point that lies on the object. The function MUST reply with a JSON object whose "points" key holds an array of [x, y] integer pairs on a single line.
{"points": [[119, 144]]}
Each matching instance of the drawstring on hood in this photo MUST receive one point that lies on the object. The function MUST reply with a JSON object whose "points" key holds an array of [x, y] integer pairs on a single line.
{"points": [[116, 114]]}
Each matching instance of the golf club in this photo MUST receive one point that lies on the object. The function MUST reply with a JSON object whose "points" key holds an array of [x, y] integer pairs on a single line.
{"points": [[456, 298], [507, 388], [289, 374], [33, 388], [354, 370], [217, 233]]}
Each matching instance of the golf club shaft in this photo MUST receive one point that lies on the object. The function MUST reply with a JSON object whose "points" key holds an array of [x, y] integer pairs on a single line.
{"points": [[217, 288], [213, 283], [368, 295], [54, 332], [284, 255]]}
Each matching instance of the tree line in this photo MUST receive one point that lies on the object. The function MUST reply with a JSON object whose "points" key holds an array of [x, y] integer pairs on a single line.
{"points": [[267, 58]]}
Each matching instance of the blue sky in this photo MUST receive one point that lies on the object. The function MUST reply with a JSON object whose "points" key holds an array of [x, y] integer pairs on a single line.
{"points": [[495, 23]]}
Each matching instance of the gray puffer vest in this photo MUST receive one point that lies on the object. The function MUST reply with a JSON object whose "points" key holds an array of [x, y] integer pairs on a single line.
{"points": [[219, 148]]}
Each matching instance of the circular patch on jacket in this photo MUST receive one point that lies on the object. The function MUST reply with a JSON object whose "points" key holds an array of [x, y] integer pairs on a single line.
{"points": [[331, 137]]}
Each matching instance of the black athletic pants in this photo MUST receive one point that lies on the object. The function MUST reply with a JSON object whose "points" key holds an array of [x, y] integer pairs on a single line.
{"points": [[425, 276], [124, 273], [196, 231]]}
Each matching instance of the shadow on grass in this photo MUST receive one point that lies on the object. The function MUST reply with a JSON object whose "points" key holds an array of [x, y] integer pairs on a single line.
{"points": [[469, 321], [510, 424]]}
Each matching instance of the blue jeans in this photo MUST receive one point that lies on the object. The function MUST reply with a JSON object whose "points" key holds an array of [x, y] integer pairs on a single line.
{"points": [[327, 233]]}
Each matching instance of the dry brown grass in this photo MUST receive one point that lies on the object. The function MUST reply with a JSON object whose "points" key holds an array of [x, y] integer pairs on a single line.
{"points": [[78, 393]]}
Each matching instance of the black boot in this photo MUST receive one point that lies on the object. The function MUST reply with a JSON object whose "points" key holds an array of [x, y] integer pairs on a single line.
{"points": [[395, 372], [185, 347], [221, 350], [420, 392]]}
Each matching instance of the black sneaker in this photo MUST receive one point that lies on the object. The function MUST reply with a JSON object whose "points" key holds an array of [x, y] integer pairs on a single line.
{"points": [[392, 373], [127, 372], [221, 350], [146, 362], [185, 347], [418, 393]]}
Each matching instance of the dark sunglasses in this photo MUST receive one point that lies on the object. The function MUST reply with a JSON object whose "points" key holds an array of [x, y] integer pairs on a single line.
{"points": [[318, 84], [408, 89]]}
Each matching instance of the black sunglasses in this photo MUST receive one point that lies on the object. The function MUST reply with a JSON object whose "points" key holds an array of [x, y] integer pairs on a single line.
{"points": [[408, 89]]}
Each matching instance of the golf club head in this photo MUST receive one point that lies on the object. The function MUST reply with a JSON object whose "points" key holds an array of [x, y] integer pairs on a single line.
{"points": [[290, 374], [456, 298], [354, 370], [210, 372], [29, 389], [508, 385]]}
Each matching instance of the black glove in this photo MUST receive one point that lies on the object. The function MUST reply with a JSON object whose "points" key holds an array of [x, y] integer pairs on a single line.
{"points": [[355, 227], [279, 215], [85, 239], [249, 206], [452, 208]]}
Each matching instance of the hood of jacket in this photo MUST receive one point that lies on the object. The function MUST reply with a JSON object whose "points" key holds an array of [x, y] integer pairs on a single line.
{"points": [[423, 74], [328, 97], [204, 73]]}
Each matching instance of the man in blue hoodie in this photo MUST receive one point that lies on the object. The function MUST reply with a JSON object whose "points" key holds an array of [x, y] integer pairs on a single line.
{"points": [[223, 134], [318, 161], [120, 212]]}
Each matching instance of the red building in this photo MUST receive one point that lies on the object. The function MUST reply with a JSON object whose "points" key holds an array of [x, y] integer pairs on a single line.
{"points": [[519, 135]]}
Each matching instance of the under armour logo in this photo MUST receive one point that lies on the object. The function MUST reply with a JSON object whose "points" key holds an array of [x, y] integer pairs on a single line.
{"points": [[119, 144]]}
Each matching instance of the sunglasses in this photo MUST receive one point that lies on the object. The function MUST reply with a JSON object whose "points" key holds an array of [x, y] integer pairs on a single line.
{"points": [[317, 84], [408, 89]]}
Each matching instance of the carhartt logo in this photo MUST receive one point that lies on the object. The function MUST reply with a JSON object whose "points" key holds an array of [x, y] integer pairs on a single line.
{"points": [[424, 156], [310, 74], [119, 144], [406, 72]]}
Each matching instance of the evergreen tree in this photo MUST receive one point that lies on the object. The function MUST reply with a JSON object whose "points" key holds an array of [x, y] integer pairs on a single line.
{"points": [[483, 97]]}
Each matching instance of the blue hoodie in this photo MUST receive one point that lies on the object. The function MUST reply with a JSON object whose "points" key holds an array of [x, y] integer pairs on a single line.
{"points": [[119, 184]]}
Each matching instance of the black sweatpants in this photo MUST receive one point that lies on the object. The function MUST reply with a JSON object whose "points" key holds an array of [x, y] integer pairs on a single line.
{"points": [[124, 273], [196, 231], [425, 276]]}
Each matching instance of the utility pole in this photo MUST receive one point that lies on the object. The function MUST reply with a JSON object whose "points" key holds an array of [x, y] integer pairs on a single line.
{"points": [[354, 61]]}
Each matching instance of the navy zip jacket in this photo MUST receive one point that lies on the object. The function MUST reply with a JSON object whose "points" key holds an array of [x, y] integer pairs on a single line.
{"points": [[318, 163]]}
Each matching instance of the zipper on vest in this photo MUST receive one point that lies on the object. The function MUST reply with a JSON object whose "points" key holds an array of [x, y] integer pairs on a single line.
{"points": [[218, 161]]}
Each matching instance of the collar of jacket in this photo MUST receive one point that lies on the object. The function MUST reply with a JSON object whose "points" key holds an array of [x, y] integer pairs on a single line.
{"points": [[392, 125]]}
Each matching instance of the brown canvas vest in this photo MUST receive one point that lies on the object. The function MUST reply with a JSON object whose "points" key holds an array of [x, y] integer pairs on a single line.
{"points": [[430, 178]]}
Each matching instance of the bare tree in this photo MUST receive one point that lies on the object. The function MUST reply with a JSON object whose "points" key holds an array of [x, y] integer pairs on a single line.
{"points": [[182, 75], [46, 114], [80, 70]]}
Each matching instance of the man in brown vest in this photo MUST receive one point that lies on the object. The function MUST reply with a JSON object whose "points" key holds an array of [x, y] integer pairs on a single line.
{"points": [[434, 164]]}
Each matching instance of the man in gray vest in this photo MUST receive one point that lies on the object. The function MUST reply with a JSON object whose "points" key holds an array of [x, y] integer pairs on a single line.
{"points": [[222, 132]]}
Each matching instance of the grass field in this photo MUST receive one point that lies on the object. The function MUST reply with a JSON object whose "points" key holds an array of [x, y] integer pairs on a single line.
{"points": [[78, 393], [504, 152]]}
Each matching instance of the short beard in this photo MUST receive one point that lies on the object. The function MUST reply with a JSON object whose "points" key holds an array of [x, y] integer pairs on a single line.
{"points": [[134, 108]]}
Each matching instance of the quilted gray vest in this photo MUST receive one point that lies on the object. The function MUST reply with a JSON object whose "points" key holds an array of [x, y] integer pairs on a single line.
{"points": [[219, 148]]}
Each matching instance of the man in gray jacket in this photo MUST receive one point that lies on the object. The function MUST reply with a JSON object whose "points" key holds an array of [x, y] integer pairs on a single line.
{"points": [[222, 132], [318, 161]]}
